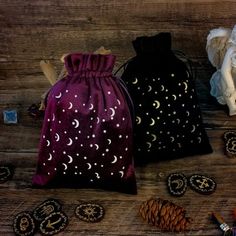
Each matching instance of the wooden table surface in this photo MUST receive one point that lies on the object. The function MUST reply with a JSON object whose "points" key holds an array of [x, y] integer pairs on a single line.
{"points": [[35, 30], [121, 216]]}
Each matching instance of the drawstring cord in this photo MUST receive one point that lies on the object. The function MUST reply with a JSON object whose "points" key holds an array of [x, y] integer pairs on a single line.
{"points": [[124, 65], [129, 99], [125, 89], [182, 56]]}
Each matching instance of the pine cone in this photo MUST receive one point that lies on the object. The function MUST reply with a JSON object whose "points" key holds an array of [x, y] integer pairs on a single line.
{"points": [[164, 215]]}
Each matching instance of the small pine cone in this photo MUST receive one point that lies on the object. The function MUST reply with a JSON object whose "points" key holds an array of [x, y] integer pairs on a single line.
{"points": [[164, 215]]}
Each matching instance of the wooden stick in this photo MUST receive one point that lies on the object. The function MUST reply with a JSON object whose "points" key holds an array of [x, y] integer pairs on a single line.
{"points": [[49, 71], [102, 51]]}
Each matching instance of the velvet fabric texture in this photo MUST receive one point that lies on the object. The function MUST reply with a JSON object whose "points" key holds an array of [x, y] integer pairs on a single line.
{"points": [[87, 133], [168, 117]]}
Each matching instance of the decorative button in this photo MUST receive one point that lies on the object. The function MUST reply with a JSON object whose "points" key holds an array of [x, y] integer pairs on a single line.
{"points": [[229, 134], [6, 173], [54, 223], [46, 208], [90, 212], [177, 184], [202, 184], [24, 224], [230, 147]]}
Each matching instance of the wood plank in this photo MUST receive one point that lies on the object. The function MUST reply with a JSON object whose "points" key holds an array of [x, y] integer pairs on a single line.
{"points": [[69, 40], [35, 30], [113, 14], [122, 209], [75, 25]]}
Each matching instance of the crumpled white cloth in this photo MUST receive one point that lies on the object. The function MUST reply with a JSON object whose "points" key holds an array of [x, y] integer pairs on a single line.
{"points": [[216, 87]]}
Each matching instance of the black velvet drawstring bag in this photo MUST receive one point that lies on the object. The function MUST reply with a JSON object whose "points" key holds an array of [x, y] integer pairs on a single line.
{"points": [[168, 117]]}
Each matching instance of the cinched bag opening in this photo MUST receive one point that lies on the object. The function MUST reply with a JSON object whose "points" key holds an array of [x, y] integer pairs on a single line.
{"points": [[87, 134]]}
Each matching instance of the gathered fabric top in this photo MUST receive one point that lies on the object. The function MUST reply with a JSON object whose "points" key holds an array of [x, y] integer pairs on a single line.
{"points": [[153, 44], [89, 64]]}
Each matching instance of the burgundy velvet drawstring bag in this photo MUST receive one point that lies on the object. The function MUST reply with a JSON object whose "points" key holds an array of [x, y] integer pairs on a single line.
{"points": [[87, 134]]}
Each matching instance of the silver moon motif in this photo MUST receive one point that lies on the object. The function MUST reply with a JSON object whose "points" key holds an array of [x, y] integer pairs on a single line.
{"points": [[115, 160]]}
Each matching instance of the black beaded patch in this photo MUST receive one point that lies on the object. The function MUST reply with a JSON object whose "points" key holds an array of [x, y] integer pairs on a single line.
{"points": [[6, 173], [229, 134], [24, 224], [90, 212], [230, 147], [202, 184], [177, 184], [46, 208], [54, 223]]}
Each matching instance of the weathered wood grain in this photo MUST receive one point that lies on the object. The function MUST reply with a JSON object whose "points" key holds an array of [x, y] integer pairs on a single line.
{"points": [[46, 29], [122, 209]]}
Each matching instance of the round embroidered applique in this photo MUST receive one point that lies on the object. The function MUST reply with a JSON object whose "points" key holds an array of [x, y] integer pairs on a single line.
{"points": [[90, 212], [177, 184], [46, 208], [229, 134], [202, 184], [24, 224], [54, 223], [6, 173]]}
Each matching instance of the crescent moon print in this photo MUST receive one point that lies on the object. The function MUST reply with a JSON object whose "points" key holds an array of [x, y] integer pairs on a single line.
{"points": [[75, 123], [179, 183], [98, 120], [96, 145], [185, 86], [109, 141], [53, 117], [162, 87], [193, 129], [138, 120], [172, 139], [156, 104], [70, 105], [187, 112], [59, 95], [57, 137], [48, 143], [70, 159], [199, 139], [50, 157], [118, 101], [115, 159], [89, 166], [112, 111], [154, 137], [65, 166], [149, 88], [91, 107], [149, 144], [121, 173], [174, 96], [70, 142], [152, 122], [135, 81]]}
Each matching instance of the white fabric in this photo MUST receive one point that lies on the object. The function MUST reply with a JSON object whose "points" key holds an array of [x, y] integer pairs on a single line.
{"points": [[216, 89], [220, 32], [221, 51]]}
